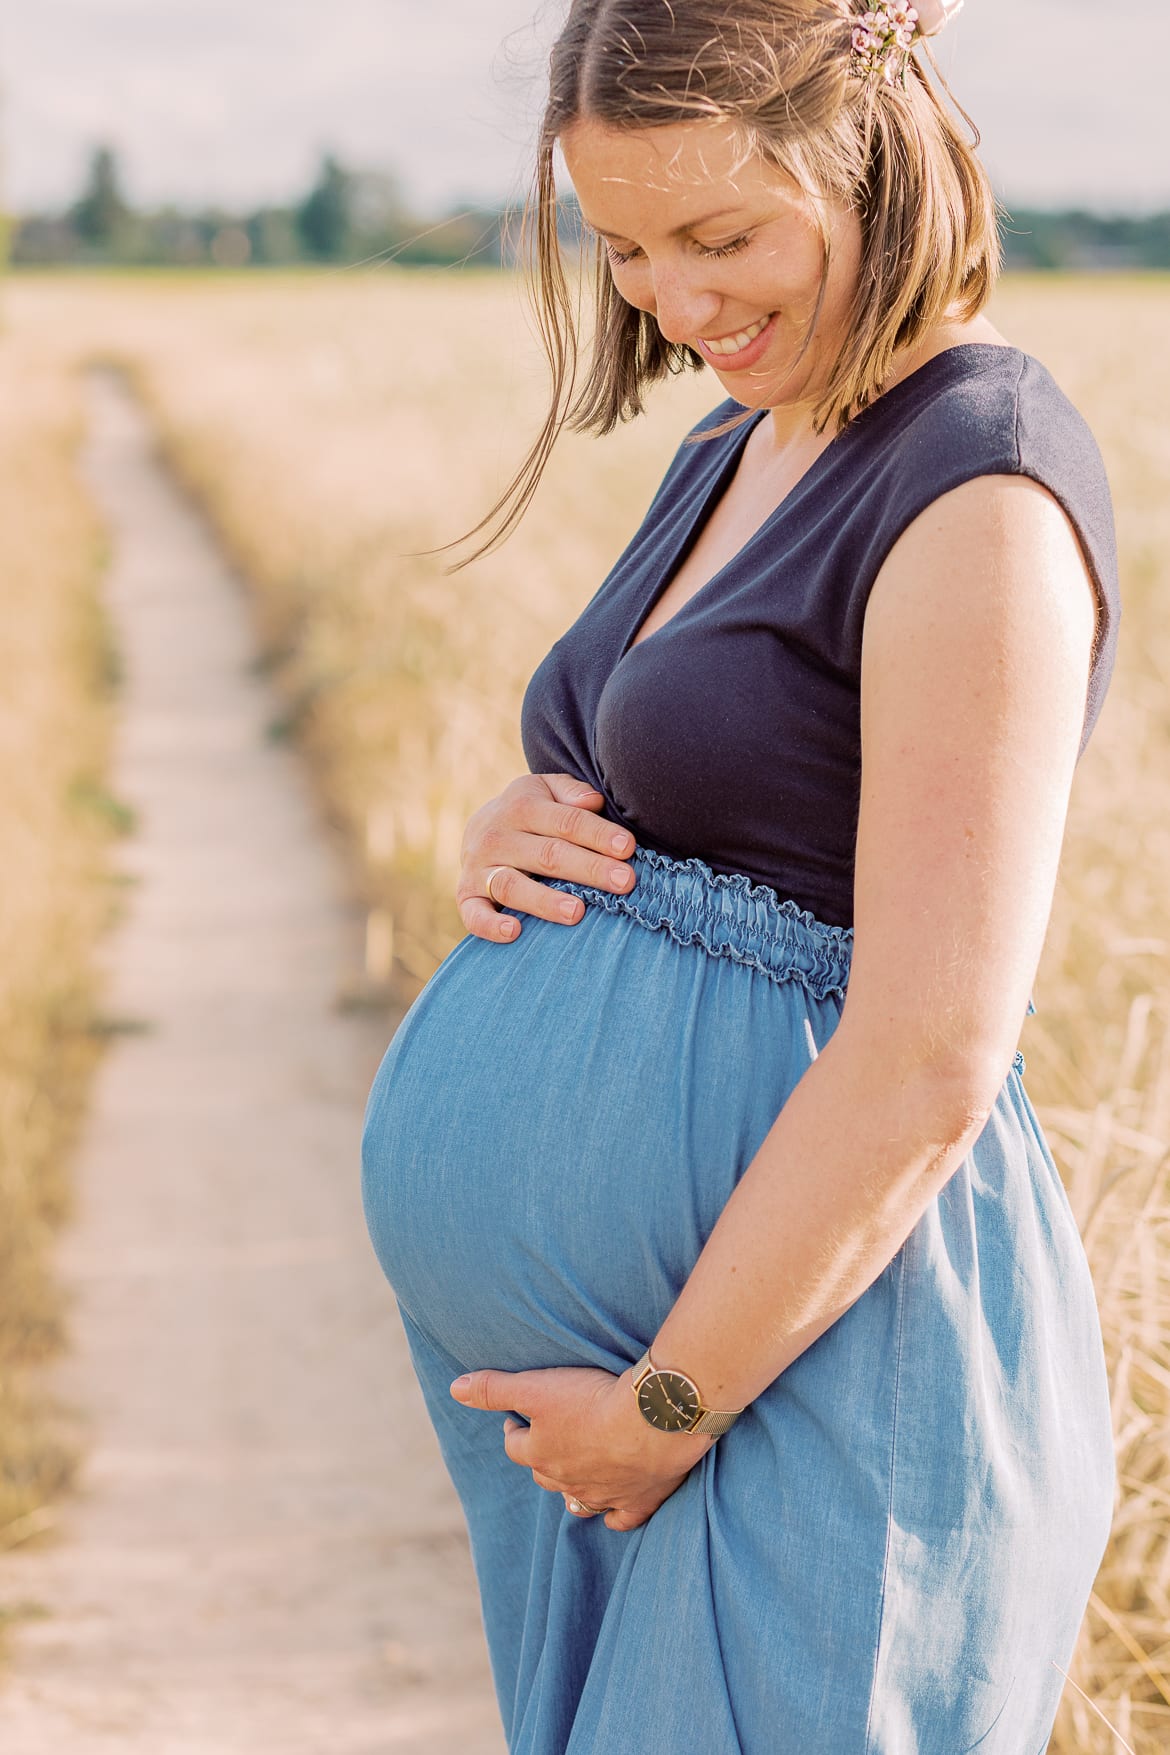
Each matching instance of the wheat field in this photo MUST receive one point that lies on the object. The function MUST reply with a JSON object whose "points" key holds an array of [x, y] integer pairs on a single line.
{"points": [[336, 425], [55, 821]]}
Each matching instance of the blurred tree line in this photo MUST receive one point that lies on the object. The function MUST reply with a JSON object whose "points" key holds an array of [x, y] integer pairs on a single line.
{"points": [[1074, 238], [346, 216], [354, 216]]}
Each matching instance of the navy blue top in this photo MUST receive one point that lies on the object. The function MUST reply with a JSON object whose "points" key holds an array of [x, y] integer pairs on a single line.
{"points": [[733, 732]]}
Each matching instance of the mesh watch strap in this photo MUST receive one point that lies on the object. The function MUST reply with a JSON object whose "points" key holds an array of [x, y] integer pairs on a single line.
{"points": [[714, 1423]]}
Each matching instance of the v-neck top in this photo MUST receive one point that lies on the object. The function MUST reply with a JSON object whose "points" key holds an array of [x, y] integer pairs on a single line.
{"points": [[733, 732]]}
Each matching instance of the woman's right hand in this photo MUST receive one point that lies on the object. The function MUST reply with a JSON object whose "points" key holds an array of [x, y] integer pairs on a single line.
{"points": [[546, 824]]}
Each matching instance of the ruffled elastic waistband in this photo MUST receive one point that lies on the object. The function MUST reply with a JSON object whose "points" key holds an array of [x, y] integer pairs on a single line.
{"points": [[729, 916]]}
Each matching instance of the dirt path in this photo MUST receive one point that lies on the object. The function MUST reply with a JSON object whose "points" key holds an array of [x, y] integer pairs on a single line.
{"points": [[265, 1555]]}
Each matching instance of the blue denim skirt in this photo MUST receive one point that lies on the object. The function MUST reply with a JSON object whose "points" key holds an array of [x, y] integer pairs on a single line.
{"points": [[892, 1550]]}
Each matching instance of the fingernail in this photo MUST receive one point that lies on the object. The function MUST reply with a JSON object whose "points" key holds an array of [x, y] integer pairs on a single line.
{"points": [[619, 874], [618, 843], [568, 910], [507, 929], [460, 1383]]}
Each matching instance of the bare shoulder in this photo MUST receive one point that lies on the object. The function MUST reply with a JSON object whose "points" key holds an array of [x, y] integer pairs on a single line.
{"points": [[998, 562]]}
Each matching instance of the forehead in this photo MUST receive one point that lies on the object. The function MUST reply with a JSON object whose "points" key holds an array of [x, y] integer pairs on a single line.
{"points": [[676, 170]]}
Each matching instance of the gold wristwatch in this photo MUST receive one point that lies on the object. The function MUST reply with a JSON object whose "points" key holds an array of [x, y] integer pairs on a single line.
{"points": [[670, 1401]]}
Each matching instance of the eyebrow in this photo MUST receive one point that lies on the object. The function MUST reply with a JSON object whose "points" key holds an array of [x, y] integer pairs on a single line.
{"points": [[691, 225]]}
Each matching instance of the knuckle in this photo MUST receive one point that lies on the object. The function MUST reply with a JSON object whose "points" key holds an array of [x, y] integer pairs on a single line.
{"points": [[567, 822], [520, 795], [547, 853]]}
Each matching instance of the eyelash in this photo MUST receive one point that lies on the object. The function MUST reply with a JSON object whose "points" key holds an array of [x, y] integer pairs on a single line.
{"points": [[731, 248]]}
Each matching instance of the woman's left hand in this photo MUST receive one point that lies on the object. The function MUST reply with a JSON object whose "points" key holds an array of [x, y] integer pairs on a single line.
{"points": [[586, 1439]]}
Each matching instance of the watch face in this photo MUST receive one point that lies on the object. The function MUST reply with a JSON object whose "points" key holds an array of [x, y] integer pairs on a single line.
{"points": [[669, 1401]]}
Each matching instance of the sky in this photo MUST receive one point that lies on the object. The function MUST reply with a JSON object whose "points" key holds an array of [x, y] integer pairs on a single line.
{"points": [[233, 101]]}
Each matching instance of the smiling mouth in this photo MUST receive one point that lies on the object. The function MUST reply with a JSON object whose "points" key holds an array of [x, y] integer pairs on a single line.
{"points": [[733, 344]]}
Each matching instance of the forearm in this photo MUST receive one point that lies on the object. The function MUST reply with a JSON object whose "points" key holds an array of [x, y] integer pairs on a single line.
{"points": [[847, 1169]]}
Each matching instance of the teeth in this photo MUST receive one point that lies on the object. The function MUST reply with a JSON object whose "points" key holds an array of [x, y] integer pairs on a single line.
{"points": [[737, 343]]}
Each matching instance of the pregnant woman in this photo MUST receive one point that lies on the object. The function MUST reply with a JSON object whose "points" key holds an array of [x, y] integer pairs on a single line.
{"points": [[744, 1293]]}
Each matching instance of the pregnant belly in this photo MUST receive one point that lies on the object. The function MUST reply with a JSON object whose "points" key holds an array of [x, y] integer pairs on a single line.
{"points": [[557, 1125]]}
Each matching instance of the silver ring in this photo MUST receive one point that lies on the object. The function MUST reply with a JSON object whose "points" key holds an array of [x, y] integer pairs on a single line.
{"points": [[491, 874], [579, 1508]]}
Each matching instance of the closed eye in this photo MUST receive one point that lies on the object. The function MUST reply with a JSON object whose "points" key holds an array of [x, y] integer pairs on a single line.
{"points": [[728, 249], [731, 248]]}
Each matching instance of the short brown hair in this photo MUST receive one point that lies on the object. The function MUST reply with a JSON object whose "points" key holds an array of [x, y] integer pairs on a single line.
{"points": [[784, 73]]}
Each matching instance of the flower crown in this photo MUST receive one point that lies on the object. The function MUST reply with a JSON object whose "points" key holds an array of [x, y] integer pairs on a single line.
{"points": [[884, 37]]}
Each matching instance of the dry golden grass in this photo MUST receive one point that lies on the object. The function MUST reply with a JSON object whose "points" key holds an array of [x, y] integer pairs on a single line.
{"points": [[304, 412], [334, 424], [54, 818]]}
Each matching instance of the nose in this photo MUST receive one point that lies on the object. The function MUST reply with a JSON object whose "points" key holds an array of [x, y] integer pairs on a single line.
{"points": [[683, 307]]}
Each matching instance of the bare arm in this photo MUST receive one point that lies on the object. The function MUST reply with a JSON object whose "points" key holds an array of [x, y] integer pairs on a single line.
{"points": [[974, 675]]}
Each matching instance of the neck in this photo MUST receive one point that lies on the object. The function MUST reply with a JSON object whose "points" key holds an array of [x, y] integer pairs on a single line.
{"points": [[791, 427]]}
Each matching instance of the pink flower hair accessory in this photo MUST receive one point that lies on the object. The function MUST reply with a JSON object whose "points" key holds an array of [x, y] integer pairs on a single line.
{"points": [[884, 36]]}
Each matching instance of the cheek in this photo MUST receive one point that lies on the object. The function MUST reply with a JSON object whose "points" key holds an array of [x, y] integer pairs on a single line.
{"points": [[792, 274], [634, 286]]}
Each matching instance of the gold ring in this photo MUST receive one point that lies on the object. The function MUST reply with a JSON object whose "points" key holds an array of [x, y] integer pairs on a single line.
{"points": [[579, 1508], [491, 874]]}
